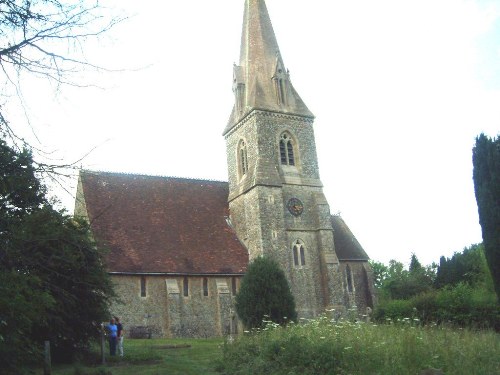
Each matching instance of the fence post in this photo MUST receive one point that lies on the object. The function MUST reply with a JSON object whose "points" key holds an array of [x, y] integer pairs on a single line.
{"points": [[103, 346], [46, 360]]}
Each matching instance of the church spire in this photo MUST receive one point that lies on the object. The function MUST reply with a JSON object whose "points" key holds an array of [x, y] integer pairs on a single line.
{"points": [[261, 81]]}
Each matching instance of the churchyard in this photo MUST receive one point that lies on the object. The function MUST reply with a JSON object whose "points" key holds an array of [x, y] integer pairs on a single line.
{"points": [[316, 347]]}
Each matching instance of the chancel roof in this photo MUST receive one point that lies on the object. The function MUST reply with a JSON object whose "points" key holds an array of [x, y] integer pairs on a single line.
{"points": [[161, 224], [347, 246]]}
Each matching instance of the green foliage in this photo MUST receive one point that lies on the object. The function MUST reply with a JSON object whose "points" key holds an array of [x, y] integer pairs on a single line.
{"points": [[461, 305], [415, 265], [380, 273], [398, 283], [52, 282], [468, 267], [465, 297], [326, 347], [486, 175], [265, 295]]}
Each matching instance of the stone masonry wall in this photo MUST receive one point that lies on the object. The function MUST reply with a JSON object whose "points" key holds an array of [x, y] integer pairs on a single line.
{"points": [[258, 206], [163, 313]]}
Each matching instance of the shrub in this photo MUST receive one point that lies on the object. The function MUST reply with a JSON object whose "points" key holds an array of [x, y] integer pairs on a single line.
{"points": [[265, 294], [461, 305]]}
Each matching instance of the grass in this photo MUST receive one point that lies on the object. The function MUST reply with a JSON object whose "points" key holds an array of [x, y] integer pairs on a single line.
{"points": [[312, 348], [155, 357], [322, 347]]}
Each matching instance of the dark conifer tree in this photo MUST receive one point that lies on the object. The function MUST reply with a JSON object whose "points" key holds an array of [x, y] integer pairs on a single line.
{"points": [[265, 295], [486, 163], [415, 265]]}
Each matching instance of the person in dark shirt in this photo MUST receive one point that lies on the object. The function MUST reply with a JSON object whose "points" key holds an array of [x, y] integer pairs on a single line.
{"points": [[120, 333]]}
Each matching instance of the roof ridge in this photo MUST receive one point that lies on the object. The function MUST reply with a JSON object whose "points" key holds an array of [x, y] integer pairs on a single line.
{"points": [[148, 175]]}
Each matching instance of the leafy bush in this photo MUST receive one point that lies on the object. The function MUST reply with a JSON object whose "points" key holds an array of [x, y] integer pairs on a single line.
{"points": [[461, 305], [393, 310]]}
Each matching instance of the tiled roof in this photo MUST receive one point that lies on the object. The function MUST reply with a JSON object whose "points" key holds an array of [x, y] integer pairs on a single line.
{"points": [[347, 246], [162, 224]]}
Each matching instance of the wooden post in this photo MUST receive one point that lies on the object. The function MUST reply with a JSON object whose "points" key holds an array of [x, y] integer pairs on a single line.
{"points": [[103, 345], [47, 362]]}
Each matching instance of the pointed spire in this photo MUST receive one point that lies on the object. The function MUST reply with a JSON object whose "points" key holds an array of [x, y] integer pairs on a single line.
{"points": [[261, 80]]}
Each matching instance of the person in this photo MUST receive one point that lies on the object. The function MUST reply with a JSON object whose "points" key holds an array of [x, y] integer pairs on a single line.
{"points": [[120, 333], [113, 333]]}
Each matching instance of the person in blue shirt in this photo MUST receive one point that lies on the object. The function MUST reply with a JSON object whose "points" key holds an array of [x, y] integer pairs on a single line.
{"points": [[113, 334]]}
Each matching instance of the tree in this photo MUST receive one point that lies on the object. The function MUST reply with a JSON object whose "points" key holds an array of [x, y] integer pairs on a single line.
{"points": [[486, 175], [44, 39], [380, 273], [467, 267], [400, 283], [265, 295], [53, 285], [415, 265]]}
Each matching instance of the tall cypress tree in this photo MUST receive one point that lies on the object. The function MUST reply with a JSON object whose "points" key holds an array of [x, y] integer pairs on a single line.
{"points": [[486, 162]]}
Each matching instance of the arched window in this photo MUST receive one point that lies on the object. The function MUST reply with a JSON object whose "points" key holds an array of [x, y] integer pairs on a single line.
{"points": [[299, 256], [286, 150], [243, 160], [348, 275]]}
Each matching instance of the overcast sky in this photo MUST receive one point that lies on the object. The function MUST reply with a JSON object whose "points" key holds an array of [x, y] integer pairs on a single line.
{"points": [[400, 89]]}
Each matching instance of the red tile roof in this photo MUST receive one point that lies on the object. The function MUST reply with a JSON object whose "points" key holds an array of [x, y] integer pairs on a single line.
{"points": [[162, 224]]}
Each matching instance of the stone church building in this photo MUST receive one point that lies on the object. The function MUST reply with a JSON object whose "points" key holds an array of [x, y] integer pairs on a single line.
{"points": [[178, 248]]}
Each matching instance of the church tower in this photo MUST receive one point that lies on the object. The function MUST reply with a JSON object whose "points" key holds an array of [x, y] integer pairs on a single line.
{"points": [[276, 201]]}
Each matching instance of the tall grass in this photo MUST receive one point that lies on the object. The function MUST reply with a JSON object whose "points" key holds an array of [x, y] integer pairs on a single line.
{"points": [[325, 347]]}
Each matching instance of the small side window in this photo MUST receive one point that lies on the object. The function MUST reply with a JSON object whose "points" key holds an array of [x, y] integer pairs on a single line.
{"points": [[233, 286], [186, 286], [143, 286], [205, 287]]}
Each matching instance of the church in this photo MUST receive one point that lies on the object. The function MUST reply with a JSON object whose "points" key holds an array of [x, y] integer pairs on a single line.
{"points": [[177, 248]]}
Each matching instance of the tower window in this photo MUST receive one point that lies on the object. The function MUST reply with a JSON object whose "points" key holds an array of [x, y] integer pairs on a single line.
{"points": [[299, 256], [243, 159], [286, 150]]}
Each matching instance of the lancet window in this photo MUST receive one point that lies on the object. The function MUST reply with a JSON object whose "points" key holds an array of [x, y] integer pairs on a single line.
{"points": [[143, 286], [186, 286], [348, 275], [299, 256], [243, 159], [287, 155], [205, 286]]}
